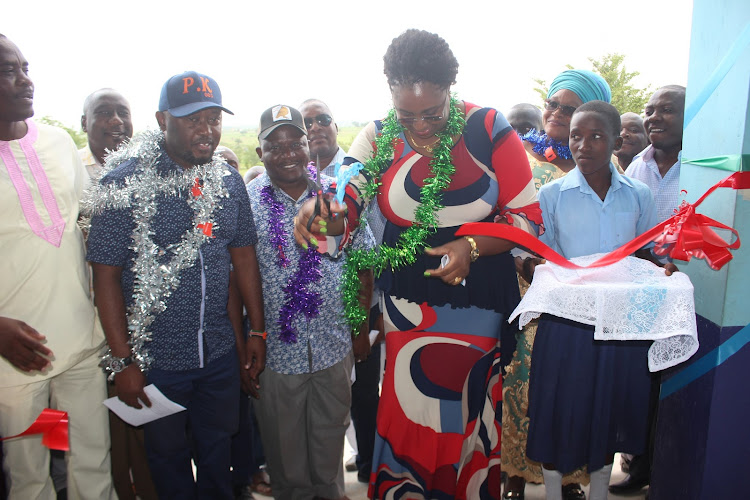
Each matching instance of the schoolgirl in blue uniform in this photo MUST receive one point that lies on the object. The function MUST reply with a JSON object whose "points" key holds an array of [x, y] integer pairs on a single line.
{"points": [[589, 399]]}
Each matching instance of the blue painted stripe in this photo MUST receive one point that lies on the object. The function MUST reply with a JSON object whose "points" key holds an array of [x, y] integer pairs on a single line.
{"points": [[707, 363], [735, 51]]}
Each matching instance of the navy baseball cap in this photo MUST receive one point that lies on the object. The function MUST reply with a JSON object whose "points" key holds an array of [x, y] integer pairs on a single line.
{"points": [[184, 94]]}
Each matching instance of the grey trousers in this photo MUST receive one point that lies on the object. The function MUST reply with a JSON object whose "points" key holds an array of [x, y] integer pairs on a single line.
{"points": [[302, 420]]}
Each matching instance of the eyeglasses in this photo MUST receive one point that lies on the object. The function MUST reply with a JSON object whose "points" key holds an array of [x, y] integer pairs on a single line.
{"points": [[550, 105], [428, 118], [323, 120]]}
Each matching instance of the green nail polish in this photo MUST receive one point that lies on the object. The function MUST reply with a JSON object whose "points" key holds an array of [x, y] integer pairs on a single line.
{"points": [[322, 223], [427, 274], [323, 230], [304, 245], [313, 240]]}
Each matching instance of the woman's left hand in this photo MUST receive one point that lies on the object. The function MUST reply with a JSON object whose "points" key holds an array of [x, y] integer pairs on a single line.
{"points": [[459, 255]]}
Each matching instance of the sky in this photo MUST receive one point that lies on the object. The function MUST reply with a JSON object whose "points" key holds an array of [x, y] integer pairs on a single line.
{"points": [[283, 52]]}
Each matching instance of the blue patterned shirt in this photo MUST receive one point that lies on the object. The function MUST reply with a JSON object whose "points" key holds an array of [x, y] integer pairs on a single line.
{"points": [[194, 330], [321, 341]]}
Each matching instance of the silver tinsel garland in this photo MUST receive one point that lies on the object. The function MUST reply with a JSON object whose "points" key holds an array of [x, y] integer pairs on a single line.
{"points": [[155, 282]]}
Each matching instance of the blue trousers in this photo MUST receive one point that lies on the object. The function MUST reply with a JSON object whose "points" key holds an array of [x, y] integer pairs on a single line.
{"points": [[247, 448], [365, 398], [203, 432]]}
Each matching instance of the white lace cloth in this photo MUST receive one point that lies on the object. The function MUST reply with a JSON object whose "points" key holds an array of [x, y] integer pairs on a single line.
{"points": [[630, 300]]}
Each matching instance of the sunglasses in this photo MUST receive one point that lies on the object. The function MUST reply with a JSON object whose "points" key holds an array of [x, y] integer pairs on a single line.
{"points": [[323, 120], [553, 105]]}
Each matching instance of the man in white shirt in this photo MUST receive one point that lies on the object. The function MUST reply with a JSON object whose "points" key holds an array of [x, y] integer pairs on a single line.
{"points": [[50, 336], [659, 164]]}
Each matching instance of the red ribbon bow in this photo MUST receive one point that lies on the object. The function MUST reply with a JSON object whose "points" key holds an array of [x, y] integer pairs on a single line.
{"points": [[53, 426], [690, 235], [682, 236]]}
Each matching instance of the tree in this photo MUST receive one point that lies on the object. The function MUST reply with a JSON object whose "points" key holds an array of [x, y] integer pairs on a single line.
{"points": [[79, 136], [625, 96]]}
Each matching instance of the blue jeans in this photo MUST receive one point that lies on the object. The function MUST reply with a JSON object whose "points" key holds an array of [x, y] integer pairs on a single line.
{"points": [[202, 432]]}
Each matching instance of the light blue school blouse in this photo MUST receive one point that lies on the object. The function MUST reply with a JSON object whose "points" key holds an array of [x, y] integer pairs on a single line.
{"points": [[577, 222]]}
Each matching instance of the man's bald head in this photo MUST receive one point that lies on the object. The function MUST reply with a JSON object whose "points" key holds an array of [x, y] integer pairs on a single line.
{"points": [[229, 156], [524, 117]]}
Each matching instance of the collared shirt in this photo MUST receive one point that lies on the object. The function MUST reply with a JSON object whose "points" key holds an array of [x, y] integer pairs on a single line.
{"points": [[325, 339], [44, 285], [330, 170], [666, 190], [577, 222], [194, 330], [93, 167]]}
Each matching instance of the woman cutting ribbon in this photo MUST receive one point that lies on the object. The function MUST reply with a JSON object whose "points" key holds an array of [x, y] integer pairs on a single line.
{"points": [[435, 163]]}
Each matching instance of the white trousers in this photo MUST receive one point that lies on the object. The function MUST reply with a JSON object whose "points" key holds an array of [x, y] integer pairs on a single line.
{"points": [[80, 392]]}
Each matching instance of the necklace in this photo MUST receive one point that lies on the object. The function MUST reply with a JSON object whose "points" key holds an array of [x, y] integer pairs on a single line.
{"points": [[427, 147], [154, 279], [298, 297], [547, 146], [412, 241]]}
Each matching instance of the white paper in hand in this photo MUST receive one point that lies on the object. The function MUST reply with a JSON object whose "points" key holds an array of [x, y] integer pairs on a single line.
{"points": [[160, 407]]}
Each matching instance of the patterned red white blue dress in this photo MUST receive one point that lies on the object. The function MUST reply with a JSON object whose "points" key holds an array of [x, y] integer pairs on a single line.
{"points": [[438, 431]]}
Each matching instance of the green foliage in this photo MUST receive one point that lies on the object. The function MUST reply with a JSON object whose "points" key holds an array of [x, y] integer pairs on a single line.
{"points": [[625, 96], [348, 134], [244, 141], [79, 136]]}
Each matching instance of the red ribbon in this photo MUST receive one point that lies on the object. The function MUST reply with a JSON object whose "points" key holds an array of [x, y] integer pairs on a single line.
{"points": [[682, 236], [53, 426]]}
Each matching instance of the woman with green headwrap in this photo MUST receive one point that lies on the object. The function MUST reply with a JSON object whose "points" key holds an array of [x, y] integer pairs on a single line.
{"points": [[549, 158]]}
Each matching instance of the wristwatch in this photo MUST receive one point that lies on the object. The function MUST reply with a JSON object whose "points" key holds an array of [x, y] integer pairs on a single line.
{"points": [[113, 364], [474, 254]]}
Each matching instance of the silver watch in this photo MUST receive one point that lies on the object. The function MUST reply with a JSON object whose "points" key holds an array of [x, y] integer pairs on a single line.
{"points": [[113, 364]]}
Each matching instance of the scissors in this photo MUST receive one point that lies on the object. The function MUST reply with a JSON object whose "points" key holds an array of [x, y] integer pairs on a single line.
{"points": [[319, 199]]}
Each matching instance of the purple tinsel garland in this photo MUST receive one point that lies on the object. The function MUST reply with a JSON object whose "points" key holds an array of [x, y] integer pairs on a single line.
{"points": [[275, 224], [297, 298]]}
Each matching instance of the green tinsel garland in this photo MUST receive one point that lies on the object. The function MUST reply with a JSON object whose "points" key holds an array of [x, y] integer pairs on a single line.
{"points": [[412, 241]]}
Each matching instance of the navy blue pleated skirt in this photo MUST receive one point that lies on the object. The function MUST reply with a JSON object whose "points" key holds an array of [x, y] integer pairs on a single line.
{"points": [[587, 399]]}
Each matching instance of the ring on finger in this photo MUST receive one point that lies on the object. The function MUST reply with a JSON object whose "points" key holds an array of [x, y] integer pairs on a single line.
{"points": [[457, 280]]}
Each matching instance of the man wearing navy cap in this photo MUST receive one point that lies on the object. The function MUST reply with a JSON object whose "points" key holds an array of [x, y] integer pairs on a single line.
{"points": [[169, 219]]}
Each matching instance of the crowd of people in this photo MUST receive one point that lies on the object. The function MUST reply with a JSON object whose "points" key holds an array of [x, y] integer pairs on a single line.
{"points": [[251, 302]]}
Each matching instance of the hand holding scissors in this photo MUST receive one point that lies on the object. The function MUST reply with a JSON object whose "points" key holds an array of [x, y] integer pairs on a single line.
{"points": [[320, 199]]}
